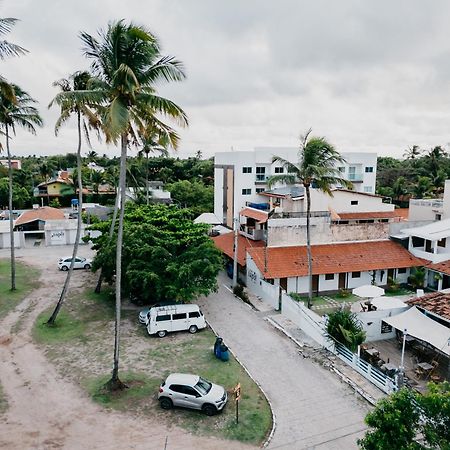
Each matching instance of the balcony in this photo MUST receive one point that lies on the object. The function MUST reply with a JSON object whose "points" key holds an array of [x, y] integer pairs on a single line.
{"points": [[355, 177], [261, 178], [299, 215]]}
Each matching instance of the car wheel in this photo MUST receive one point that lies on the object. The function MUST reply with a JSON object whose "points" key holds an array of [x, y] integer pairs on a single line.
{"points": [[162, 333], [209, 410], [165, 403], [65, 268], [87, 266], [193, 329]]}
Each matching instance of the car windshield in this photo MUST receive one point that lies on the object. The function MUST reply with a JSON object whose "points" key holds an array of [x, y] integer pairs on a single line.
{"points": [[203, 386]]}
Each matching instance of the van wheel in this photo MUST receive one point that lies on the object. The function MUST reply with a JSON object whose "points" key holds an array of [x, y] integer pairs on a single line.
{"points": [[209, 410], [162, 333], [193, 329], [166, 403]]}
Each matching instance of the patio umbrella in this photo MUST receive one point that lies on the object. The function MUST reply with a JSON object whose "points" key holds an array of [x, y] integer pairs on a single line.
{"points": [[368, 291]]}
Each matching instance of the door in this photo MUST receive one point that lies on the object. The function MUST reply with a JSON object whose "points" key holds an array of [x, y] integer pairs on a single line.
{"points": [[341, 281], [160, 322], [283, 283], [315, 284], [179, 322], [184, 396], [390, 275]]}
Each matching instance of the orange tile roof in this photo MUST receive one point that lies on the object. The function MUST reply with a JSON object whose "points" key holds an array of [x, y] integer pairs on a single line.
{"points": [[285, 262], [443, 267], [45, 213], [368, 215], [435, 302], [258, 215], [225, 243]]}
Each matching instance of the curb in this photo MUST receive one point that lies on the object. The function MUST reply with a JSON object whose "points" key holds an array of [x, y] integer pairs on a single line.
{"points": [[333, 368], [274, 422]]}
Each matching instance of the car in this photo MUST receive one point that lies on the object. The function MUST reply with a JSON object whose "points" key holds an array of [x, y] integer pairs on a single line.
{"points": [[192, 391], [80, 263], [144, 315]]}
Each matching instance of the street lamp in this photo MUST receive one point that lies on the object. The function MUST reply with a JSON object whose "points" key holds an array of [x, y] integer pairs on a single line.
{"points": [[402, 367]]}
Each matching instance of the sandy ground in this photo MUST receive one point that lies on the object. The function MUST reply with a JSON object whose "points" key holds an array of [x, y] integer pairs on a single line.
{"points": [[47, 411]]}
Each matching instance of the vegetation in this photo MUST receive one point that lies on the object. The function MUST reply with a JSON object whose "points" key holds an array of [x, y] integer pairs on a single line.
{"points": [[79, 347], [343, 326], [317, 165], [27, 280], [397, 421], [166, 256]]}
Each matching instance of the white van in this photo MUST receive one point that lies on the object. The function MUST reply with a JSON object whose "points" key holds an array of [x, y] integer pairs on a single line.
{"points": [[165, 319]]}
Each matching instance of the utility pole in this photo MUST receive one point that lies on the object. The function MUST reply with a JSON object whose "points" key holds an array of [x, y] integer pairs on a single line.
{"points": [[235, 252]]}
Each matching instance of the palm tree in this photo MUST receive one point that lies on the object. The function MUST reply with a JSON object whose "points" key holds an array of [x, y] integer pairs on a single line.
{"points": [[72, 100], [127, 62], [412, 152], [19, 112], [317, 166], [46, 170]]}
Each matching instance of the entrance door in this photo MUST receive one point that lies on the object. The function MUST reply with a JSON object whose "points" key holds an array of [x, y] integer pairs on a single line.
{"points": [[390, 274], [283, 283], [341, 281], [315, 284]]}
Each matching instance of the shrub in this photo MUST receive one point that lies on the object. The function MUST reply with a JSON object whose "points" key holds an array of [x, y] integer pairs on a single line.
{"points": [[344, 293], [344, 327], [239, 291]]}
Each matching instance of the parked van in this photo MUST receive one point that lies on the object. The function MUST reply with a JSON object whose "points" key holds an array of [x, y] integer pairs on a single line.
{"points": [[166, 319]]}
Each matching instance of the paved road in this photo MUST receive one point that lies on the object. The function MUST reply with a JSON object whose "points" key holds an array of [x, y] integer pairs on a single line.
{"points": [[313, 409]]}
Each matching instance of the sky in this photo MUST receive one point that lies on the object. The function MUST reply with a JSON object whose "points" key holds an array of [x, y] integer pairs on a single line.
{"points": [[369, 76]]}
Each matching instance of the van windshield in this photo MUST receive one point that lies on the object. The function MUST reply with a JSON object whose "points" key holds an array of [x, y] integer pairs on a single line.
{"points": [[203, 386]]}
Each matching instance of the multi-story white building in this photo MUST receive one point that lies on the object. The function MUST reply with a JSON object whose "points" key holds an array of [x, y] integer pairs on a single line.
{"points": [[241, 176]]}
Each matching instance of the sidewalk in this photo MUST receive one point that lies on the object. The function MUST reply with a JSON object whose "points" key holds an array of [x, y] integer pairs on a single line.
{"points": [[308, 348]]}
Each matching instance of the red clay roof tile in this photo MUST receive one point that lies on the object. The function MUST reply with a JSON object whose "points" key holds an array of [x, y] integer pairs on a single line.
{"points": [[259, 216], [45, 213], [225, 243], [435, 302]]}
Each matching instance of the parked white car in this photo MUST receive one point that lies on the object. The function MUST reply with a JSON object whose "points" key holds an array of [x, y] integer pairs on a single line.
{"points": [[166, 319], [192, 391], [80, 263]]}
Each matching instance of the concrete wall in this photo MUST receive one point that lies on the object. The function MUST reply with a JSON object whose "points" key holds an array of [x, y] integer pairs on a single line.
{"points": [[19, 239], [425, 209], [371, 322], [256, 284]]}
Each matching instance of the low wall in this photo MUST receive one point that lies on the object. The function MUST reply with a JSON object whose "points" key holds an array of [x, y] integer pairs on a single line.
{"points": [[371, 322]]}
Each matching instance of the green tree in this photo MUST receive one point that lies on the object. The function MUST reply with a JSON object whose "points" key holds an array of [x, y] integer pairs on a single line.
{"points": [[73, 100], [127, 62], [317, 166], [423, 187], [166, 256], [21, 196], [343, 326], [412, 152], [22, 113], [398, 420], [192, 194]]}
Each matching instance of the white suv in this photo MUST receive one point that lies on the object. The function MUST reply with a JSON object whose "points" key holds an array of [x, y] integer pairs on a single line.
{"points": [[192, 391], [80, 263]]}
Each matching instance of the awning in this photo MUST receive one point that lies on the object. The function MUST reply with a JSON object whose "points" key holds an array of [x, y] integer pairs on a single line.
{"points": [[258, 215], [421, 327]]}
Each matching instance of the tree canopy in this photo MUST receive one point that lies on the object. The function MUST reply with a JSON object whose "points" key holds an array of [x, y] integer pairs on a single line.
{"points": [[165, 255]]}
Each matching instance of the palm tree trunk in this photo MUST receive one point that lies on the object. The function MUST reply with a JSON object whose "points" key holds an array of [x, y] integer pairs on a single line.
{"points": [[98, 286], [146, 179], [55, 313], [308, 243], [114, 383], [11, 219]]}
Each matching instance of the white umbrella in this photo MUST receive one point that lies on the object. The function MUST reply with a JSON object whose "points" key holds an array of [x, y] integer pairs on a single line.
{"points": [[368, 291]]}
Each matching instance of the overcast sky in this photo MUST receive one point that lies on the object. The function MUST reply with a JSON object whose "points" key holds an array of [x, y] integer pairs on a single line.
{"points": [[370, 76]]}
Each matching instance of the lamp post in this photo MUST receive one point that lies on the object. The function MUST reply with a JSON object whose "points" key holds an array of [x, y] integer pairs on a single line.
{"points": [[401, 373]]}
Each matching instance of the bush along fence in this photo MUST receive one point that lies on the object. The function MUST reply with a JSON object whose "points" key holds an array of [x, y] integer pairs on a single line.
{"points": [[315, 327]]}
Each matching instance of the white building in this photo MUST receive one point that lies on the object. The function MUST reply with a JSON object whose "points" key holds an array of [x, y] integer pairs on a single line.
{"points": [[241, 176]]}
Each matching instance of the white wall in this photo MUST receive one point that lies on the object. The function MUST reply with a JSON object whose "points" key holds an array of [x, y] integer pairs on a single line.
{"points": [[425, 209], [371, 322], [256, 284], [5, 241]]}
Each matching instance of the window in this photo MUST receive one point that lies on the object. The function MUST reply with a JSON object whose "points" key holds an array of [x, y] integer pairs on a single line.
{"points": [[246, 170], [341, 169], [179, 316], [368, 189], [176, 388], [260, 173], [259, 190], [279, 169], [356, 274], [369, 169], [194, 314], [354, 202], [163, 317], [401, 270], [246, 192], [441, 242], [329, 276], [190, 391]]}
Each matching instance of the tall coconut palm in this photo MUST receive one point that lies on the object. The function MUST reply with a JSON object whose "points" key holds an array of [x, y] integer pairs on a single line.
{"points": [[317, 166], [127, 62], [18, 112], [72, 100]]}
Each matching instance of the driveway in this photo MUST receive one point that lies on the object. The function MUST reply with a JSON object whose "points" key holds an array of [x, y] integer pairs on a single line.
{"points": [[313, 409]]}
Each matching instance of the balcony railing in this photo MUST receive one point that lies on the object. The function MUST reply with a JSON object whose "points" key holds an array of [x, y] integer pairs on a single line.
{"points": [[430, 203], [355, 177], [261, 178], [299, 215]]}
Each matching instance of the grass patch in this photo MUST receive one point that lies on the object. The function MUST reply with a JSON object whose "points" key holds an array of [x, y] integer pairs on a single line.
{"points": [[81, 347], [3, 401], [67, 327], [26, 280]]}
